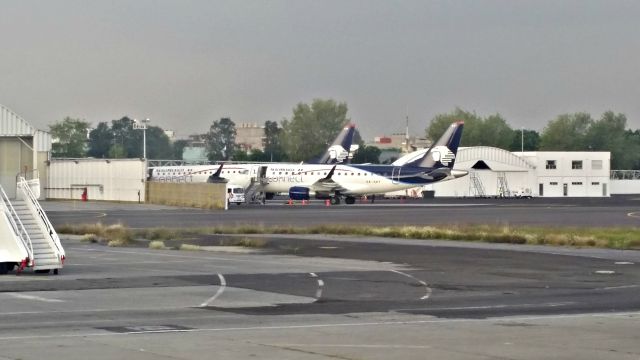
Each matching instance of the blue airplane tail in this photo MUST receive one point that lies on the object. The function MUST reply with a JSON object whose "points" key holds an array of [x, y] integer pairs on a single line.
{"points": [[338, 151], [442, 153]]}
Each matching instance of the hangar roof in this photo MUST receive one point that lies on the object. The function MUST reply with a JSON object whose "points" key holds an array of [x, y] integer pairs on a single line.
{"points": [[13, 125], [494, 158]]}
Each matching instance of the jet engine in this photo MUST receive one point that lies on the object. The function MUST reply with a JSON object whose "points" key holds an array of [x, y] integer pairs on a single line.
{"points": [[299, 193]]}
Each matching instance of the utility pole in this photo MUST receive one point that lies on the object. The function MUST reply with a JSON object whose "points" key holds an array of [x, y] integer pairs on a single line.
{"points": [[142, 125]]}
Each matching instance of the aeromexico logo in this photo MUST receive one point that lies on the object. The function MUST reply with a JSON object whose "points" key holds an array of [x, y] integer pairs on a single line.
{"points": [[443, 154], [338, 153]]}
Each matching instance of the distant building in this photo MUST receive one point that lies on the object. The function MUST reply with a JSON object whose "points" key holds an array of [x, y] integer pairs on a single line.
{"points": [[398, 141], [250, 137]]}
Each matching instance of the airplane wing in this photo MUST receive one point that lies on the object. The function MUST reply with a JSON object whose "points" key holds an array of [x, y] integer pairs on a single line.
{"points": [[328, 184]]}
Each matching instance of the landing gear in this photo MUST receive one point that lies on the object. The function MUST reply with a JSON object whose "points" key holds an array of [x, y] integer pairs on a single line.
{"points": [[4, 268], [335, 200], [350, 200]]}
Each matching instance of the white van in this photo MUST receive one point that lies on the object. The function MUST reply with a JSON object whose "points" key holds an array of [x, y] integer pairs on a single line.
{"points": [[235, 194]]}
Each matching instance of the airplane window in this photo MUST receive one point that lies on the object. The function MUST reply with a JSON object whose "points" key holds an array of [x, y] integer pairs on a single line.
{"points": [[325, 173], [280, 173]]}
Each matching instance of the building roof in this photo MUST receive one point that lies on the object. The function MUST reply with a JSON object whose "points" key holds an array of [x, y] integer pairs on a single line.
{"points": [[13, 125]]}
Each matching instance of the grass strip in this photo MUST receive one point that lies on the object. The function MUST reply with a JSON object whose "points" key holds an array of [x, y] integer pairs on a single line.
{"points": [[614, 237]]}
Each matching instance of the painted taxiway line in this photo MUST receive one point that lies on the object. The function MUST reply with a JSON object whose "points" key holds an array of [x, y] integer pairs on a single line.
{"points": [[320, 286], [429, 290], [34, 298], [223, 286]]}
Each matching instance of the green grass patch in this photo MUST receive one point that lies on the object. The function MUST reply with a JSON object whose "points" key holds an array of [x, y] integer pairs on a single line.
{"points": [[190, 247], [157, 245], [615, 238]]}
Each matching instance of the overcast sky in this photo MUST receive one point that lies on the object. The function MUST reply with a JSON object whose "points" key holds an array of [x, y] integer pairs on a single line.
{"points": [[186, 63]]}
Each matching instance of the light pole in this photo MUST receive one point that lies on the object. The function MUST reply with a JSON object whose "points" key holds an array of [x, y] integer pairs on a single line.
{"points": [[142, 125]]}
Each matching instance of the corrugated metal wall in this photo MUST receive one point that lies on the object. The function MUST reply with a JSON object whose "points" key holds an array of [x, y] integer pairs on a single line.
{"points": [[13, 125], [22, 149], [110, 180]]}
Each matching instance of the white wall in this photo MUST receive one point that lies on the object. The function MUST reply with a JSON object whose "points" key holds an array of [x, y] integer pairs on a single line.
{"points": [[625, 187], [112, 180]]}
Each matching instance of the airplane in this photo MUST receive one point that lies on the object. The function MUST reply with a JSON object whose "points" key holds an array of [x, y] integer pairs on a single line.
{"points": [[335, 182], [244, 174]]}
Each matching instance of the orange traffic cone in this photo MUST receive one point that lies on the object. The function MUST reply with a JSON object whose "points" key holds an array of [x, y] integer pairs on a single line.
{"points": [[327, 202], [290, 202]]}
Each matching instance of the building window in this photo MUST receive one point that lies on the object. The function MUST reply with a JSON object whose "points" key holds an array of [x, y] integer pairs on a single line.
{"points": [[553, 183], [596, 164], [551, 164], [576, 183], [595, 183], [576, 164]]}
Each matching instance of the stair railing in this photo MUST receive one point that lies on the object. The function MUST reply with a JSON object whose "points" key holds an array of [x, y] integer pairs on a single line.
{"points": [[23, 185], [16, 224]]}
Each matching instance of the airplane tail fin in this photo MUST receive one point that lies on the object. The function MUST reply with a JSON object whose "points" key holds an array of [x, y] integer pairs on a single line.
{"points": [[338, 151], [442, 153]]}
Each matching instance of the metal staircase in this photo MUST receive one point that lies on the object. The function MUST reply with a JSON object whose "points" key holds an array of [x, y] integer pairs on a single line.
{"points": [[253, 193], [475, 185], [503, 185], [32, 231]]}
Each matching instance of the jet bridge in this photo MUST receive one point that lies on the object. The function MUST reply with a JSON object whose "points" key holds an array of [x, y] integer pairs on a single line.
{"points": [[27, 238]]}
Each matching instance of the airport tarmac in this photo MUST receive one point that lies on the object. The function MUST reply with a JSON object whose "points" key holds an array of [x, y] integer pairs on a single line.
{"points": [[601, 212], [318, 297]]}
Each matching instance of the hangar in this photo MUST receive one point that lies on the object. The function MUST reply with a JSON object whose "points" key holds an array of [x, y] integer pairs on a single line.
{"points": [[24, 150], [498, 172]]}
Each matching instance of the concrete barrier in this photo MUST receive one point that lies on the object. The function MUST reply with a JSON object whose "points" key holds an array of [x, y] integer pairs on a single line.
{"points": [[199, 195]]}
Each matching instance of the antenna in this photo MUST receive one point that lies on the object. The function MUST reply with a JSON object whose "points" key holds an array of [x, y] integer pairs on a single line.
{"points": [[406, 134]]}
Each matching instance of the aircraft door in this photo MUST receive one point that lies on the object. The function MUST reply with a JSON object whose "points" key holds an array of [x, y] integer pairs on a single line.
{"points": [[395, 175]]}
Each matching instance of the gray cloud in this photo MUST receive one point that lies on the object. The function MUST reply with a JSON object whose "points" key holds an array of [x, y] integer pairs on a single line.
{"points": [[187, 63]]}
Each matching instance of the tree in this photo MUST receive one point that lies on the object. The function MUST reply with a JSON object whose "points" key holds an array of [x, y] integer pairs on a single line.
{"points": [[490, 131], [100, 140], [178, 149], [221, 139], [273, 142], [566, 133], [312, 128], [70, 138], [130, 143], [367, 154], [158, 143], [240, 155], [529, 140]]}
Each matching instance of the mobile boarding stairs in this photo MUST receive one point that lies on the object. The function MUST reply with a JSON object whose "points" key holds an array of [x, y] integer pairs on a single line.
{"points": [[27, 238]]}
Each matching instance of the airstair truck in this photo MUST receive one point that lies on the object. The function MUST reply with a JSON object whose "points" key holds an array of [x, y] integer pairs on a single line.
{"points": [[13, 250], [27, 237]]}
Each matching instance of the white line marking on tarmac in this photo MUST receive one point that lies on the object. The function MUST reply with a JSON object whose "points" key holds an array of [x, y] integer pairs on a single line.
{"points": [[623, 263], [634, 214], [429, 291], [320, 286], [319, 326], [223, 285], [35, 298], [619, 287]]}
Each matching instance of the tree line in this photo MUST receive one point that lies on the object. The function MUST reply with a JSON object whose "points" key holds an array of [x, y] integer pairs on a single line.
{"points": [[312, 127], [567, 132]]}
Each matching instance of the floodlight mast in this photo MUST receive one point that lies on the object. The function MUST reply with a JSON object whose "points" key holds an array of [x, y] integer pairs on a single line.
{"points": [[142, 125]]}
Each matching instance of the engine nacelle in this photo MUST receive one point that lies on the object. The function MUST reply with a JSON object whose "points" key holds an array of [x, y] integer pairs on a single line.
{"points": [[299, 193]]}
